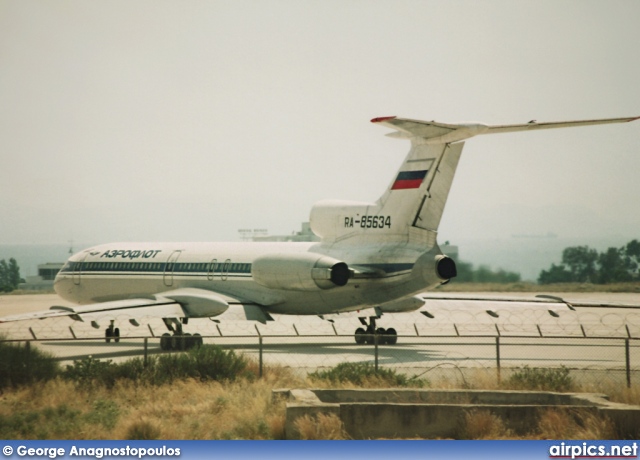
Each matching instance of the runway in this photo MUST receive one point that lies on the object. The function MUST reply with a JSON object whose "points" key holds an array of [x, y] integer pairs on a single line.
{"points": [[453, 331]]}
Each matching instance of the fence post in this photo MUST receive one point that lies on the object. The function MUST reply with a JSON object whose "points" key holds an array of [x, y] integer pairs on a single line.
{"points": [[146, 346], [260, 353], [375, 346], [27, 347], [498, 356], [627, 362]]}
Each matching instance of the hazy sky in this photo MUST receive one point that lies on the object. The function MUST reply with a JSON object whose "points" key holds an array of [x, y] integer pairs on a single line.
{"points": [[187, 120]]}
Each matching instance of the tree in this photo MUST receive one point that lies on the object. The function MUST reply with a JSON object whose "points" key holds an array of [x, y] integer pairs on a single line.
{"points": [[613, 268], [632, 258], [14, 274], [9, 275], [581, 262], [4, 277], [556, 274], [484, 274]]}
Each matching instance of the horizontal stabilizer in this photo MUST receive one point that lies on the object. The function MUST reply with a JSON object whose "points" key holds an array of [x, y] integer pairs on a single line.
{"points": [[443, 133]]}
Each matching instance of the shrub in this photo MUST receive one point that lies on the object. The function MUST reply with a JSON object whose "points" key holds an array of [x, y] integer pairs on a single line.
{"points": [[20, 365], [143, 430], [545, 379], [208, 362], [363, 373], [87, 371]]}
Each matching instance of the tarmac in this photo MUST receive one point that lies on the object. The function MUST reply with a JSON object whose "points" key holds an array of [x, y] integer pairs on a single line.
{"points": [[594, 332]]}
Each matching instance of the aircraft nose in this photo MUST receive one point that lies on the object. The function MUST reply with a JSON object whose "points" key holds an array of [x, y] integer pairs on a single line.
{"points": [[61, 282]]}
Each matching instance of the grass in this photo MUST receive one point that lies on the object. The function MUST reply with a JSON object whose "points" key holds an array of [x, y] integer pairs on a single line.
{"points": [[320, 427], [20, 365], [215, 394], [561, 423], [204, 363], [542, 379], [364, 374]]}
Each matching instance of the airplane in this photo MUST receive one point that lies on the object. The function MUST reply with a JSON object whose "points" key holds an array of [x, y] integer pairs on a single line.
{"points": [[374, 257]]}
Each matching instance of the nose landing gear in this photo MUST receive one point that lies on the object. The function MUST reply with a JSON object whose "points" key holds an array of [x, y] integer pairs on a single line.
{"points": [[112, 332]]}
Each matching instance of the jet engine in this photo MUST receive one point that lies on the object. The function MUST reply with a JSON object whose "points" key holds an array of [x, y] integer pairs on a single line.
{"points": [[446, 268], [300, 272]]}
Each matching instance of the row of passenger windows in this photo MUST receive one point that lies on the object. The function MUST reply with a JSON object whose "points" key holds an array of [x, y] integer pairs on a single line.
{"points": [[211, 267]]}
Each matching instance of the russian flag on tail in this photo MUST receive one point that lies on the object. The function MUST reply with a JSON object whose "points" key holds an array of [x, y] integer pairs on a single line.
{"points": [[409, 179]]}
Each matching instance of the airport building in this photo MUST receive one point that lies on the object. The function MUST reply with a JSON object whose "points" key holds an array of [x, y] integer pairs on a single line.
{"points": [[44, 280], [305, 234]]}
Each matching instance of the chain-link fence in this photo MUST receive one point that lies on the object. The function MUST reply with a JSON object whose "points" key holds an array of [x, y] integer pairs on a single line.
{"points": [[469, 361], [440, 343]]}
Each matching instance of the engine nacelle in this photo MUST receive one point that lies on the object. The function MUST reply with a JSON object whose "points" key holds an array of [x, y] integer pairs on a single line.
{"points": [[446, 268], [299, 272], [402, 305]]}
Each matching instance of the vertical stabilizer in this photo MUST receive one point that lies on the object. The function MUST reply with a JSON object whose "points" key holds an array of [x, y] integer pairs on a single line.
{"points": [[417, 195], [411, 208]]}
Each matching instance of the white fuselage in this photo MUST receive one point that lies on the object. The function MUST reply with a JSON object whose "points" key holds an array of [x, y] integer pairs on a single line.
{"points": [[141, 270]]}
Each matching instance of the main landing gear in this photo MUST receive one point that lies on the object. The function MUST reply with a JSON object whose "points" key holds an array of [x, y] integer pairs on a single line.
{"points": [[368, 335], [178, 340], [112, 333]]}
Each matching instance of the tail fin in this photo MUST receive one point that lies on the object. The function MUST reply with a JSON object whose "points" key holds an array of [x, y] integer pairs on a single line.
{"points": [[412, 206]]}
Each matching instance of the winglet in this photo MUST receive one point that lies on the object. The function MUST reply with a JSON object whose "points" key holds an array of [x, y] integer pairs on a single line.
{"points": [[381, 119]]}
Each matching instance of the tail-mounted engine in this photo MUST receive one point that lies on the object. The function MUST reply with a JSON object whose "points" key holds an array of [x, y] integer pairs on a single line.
{"points": [[300, 272], [445, 268]]}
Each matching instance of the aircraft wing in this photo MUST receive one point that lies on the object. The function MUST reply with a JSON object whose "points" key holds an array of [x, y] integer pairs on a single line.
{"points": [[506, 300], [179, 303], [544, 315]]}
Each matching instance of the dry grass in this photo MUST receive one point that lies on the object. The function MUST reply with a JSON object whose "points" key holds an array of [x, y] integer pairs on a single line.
{"points": [[482, 424], [550, 424], [322, 426], [616, 393], [573, 424], [244, 409], [187, 409]]}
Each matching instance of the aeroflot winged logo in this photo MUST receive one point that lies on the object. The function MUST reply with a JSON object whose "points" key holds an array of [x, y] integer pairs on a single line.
{"points": [[409, 179]]}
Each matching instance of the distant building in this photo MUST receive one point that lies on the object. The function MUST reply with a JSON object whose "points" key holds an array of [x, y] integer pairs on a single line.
{"points": [[44, 280], [450, 250], [305, 234]]}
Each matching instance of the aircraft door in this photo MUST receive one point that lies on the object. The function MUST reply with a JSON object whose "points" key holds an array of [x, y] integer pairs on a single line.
{"points": [[225, 270], [213, 266], [77, 269], [169, 267]]}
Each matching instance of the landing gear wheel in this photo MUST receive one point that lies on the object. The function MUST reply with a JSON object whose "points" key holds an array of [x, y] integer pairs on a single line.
{"points": [[391, 336], [187, 339], [360, 336], [178, 342], [116, 335], [370, 336], [108, 333], [197, 340], [165, 341]]}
